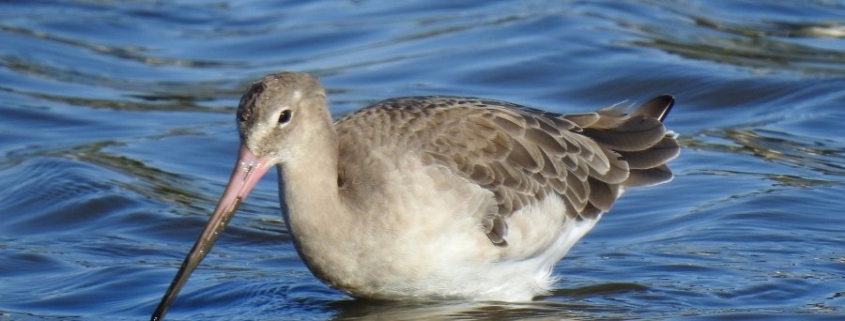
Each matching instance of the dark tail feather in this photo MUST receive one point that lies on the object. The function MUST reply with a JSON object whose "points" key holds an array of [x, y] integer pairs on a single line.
{"points": [[660, 153], [648, 166], [657, 107]]}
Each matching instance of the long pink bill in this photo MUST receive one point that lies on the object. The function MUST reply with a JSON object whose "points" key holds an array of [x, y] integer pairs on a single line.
{"points": [[248, 170]]}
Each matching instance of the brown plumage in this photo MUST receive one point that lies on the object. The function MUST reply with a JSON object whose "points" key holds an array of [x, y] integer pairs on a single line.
{"points": [[435, 197], [523, 154]]}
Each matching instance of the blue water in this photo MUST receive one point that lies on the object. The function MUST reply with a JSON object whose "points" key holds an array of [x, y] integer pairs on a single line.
{"points": [[117, 136]]}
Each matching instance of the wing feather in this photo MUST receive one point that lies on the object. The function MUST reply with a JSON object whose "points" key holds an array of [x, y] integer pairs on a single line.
{"points": [[522, 155]]}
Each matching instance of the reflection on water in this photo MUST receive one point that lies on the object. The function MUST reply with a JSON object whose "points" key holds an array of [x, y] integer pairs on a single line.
{"points": [[117, 136], [767, 46], [790, 150], [782, 148]]}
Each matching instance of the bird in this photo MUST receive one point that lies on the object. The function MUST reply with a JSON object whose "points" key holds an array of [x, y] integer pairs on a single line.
{"points": [[434, 197]]}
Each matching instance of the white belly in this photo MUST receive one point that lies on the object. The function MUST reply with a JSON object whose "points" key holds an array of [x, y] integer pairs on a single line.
{"points": [[430, 245]]}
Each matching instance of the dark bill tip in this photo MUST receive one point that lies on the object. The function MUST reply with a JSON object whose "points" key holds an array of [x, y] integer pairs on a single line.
{"points": [[248, 170]]}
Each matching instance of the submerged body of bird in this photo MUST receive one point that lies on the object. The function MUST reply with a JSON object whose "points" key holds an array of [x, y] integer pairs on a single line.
{"points": [[435, 197]]}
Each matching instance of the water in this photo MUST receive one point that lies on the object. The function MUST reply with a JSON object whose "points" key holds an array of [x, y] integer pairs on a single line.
{"points": [[117, 136]]}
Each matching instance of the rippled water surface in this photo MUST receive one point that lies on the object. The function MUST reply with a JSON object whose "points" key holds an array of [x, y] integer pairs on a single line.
{"points": [[117, 136]]}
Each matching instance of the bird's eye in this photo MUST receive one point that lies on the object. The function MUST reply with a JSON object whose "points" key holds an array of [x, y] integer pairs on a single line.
{"points": [[284, 117]]}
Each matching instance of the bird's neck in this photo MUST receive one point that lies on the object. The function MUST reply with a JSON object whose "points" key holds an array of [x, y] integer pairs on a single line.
{"points": [[310, 198]]}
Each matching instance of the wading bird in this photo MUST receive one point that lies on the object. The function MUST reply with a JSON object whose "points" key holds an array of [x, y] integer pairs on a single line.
{"points": [[434, 197]]}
